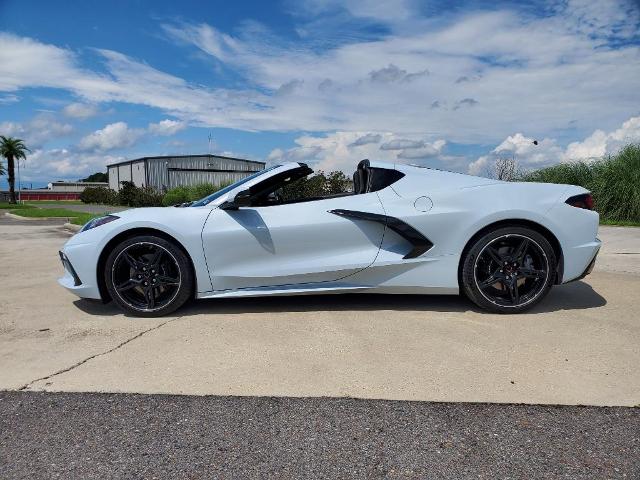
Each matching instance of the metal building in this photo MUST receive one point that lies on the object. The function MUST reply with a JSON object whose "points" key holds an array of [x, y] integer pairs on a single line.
{"points": [[163, 173]]}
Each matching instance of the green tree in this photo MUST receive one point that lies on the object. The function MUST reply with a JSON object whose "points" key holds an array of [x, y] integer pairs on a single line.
{"points": [[96, 177], [12, 149]]}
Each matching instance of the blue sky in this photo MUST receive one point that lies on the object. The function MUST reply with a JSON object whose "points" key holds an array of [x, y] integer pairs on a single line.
{"points": [[446, 84]]}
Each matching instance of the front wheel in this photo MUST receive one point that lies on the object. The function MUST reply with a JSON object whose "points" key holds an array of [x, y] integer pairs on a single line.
{"points": [[509, 270], [148, 276]]}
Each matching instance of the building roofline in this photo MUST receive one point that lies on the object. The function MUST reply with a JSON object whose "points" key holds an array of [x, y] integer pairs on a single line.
{"points": [[160, 157], [62, 182]]}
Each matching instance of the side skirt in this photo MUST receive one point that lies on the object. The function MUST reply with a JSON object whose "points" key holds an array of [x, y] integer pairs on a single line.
{"points": [[324, 289]]}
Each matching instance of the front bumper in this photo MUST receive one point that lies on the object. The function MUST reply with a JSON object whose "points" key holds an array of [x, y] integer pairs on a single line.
{"points": [[79, 271]]}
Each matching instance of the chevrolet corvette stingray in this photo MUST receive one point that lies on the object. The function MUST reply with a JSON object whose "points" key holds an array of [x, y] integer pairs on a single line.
{"points": [[403, 229]]}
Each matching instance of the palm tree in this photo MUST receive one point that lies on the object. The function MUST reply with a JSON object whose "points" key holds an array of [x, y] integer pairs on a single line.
{"points": [[12, 149]]}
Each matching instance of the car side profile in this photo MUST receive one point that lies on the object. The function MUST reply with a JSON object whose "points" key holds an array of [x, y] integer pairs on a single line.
{"points": [[403, 229]]}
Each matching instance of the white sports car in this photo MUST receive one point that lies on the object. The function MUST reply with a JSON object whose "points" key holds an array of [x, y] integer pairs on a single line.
{"points": [[403, 229]]}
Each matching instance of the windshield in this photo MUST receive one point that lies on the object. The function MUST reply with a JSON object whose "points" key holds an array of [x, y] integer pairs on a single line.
{"points": [[225, 190]]}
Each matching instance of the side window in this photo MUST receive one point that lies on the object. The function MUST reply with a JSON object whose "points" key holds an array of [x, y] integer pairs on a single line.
{"points": [[308, 189]]}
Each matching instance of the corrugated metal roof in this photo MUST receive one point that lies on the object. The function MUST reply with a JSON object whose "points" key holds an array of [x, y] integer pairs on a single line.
{"points": [[168, 157]]}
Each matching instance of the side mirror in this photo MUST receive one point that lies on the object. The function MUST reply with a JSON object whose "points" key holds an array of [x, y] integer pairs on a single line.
{"points": [[242, 199]]}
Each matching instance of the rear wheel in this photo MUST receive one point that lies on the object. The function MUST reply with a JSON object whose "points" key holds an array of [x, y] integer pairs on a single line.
{"points": [[509, 270], [148, 276]]}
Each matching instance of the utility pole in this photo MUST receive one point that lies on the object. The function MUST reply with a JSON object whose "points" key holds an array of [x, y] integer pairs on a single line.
{"points": [[19, 182], [209, 148]]}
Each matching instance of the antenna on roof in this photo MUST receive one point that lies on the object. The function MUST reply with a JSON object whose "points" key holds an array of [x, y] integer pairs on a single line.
{"points": [[209, 149]]}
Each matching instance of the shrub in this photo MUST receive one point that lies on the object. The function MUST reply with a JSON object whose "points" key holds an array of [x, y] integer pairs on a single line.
{"points": [[317, 185], [133, 196], [576, 173], [190, 193], [175, 196], [100, 195]]}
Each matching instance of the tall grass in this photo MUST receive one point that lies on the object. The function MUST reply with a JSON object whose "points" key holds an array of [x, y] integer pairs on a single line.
{"points": [[614, 182]]}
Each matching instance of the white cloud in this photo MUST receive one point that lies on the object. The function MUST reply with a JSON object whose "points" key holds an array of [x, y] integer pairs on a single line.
{"points": [[38, 130], [617, 19], [366, 139], [600, 143], [387, 11], [475, 77], [523, 150], [425, 151], [63, 164], [362, 85], [547, 151], [113, 136], [401, 143], [166, 127], [393, 74], [7, 99], [331, 88], [81, 111], [341, 150]]}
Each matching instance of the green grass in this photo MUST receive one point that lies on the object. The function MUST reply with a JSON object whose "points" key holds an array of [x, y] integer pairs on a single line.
{"points": [[77, 218], [13, 206], [614, 182], [618, 223]]}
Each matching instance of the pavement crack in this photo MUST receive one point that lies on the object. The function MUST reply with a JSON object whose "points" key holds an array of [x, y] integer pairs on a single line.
{"points": [[107, 352]]}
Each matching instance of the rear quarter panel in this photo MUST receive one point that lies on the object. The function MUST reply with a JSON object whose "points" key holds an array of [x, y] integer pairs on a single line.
{"points": [[461, 209]]}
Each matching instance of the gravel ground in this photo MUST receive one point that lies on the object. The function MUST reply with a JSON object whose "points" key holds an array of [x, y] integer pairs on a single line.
{"points": [[84, 435]]}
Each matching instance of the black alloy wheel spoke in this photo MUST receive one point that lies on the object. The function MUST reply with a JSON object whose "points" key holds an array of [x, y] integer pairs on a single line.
{"points": [[530, 273], [128, 285], [518, 255], [512, 286], [133, 263], [162, 280], [493, 253], [155, 259], [149, 295], [494, 278]]}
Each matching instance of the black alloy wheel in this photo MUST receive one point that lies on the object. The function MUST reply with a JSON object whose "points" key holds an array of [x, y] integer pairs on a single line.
{"points": [[148, 276], [509, 270]]}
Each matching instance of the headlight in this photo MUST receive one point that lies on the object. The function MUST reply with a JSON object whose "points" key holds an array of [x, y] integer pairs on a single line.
{"points": [[96, 222]]}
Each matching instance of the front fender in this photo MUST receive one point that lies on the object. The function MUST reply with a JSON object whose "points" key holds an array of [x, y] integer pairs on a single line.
{"points": [[183, 224]]}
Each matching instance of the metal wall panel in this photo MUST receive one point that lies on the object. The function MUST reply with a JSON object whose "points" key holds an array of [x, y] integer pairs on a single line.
{"points": [[124, 173], [164, 173], [113, 177], [138, 173], [178, 178], [168, 172]]}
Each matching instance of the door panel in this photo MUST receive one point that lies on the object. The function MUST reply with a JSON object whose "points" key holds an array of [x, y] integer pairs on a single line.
{"points": [[290, 244]]}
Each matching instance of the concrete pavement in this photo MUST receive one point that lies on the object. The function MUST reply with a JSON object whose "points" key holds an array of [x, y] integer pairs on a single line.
{"points": [[580, 346]]}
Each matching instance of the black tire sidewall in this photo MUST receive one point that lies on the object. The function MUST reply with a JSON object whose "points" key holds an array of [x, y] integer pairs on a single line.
{"points": [[185, 291], [469, 286]]}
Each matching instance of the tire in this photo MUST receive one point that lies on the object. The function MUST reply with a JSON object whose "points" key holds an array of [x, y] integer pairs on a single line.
{"points": [[509, 269], [148, 276]]}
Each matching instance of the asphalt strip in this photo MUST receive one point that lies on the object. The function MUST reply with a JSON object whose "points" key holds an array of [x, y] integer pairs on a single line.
{"points": [[93, 435]]}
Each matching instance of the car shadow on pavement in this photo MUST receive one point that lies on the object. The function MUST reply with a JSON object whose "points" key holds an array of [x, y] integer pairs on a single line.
{"points": [[573, 296]]}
